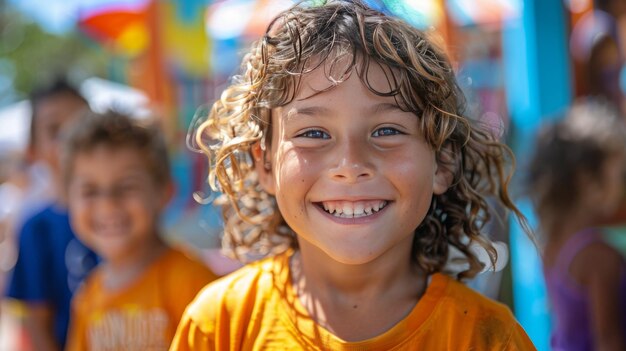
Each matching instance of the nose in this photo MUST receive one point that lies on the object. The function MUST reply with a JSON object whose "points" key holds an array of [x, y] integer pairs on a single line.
{"points": [[353, 162], [108, 200]]}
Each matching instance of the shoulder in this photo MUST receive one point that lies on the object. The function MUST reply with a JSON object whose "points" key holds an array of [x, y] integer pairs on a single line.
{"points": [[235, 294], [607, 269], [182, 262], [34, 237], [38, 218], [51, 212], [175, 266], [461, 299], [43, 222], [603, 256], [481, 321], [88, 290], [237, 286]]}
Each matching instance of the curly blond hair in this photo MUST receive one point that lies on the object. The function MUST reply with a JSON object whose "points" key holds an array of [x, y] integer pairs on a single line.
{"points": [[301, 40]]}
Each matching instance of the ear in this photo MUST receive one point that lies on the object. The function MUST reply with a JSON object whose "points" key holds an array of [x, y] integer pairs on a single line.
{"points": [[444, 172], [263, 168]]}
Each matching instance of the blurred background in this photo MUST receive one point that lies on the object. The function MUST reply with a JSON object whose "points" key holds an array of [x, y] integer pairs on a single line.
{"points": [[521, 62]]}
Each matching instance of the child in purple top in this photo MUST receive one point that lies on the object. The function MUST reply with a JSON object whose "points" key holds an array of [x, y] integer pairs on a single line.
{"points": [[576, 180]]}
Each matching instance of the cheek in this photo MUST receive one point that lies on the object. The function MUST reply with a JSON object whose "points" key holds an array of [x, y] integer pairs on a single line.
{"points": [[79, 217], [146, 208], [418, 174], [294, 177], [294, 169], [414, 179], [76, 206]]}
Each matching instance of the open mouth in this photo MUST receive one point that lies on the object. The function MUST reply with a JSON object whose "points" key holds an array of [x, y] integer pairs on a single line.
{"points": [[108, 228], [352, 209]]}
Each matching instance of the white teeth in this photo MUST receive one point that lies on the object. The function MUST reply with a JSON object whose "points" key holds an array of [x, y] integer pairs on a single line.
{"points": [[109, 227], [358, 209], [348, 209]]}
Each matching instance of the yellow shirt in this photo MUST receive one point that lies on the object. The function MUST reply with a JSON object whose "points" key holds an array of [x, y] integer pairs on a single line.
{"points": [[142, 316], [255, 308]]}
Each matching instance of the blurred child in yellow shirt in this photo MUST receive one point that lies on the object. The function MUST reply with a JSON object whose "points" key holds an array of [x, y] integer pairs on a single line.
{"points": [[117, 175]]}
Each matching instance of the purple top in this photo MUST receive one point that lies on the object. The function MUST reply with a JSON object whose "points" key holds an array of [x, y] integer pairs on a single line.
{"points": [[570, 303]]}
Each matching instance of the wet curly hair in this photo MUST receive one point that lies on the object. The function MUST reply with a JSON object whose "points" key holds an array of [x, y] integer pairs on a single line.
{"points": [[422, 81]]}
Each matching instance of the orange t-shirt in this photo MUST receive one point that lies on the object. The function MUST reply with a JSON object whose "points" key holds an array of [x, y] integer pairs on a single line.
{"points": [[142, 316], [255, 308]]}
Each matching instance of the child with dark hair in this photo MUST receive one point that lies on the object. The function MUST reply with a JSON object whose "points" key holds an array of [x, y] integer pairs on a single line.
{"points": [[117, 177], [346, 161], [51, 261], [577, 184]]}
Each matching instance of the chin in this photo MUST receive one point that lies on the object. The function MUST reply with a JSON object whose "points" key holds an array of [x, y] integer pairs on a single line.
{"points": [[112, 250], [352, 256]]}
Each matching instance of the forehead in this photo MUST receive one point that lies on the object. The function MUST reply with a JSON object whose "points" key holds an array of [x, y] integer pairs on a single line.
{"points": [[118, 160], [326, 76], [57, 108]]}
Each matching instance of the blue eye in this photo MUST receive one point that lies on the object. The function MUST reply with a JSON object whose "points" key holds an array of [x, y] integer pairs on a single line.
{"points": [[315, 134], [385, 131]]}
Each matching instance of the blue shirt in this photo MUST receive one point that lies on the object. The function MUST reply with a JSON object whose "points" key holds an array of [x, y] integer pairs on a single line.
{"points": [[51, 264]]}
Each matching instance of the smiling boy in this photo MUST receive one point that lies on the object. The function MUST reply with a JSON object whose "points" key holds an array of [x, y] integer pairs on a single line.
{"points": [[347, 162], [118, 183]]}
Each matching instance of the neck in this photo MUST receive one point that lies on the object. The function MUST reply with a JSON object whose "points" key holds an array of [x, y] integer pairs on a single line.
{"points": [[343, 298], [120, 272], [562, 227], [324, 274]]}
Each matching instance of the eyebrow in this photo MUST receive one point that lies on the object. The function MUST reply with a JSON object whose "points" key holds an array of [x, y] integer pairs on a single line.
{"points": [[307, 111], [321, 110], [386, 107]]}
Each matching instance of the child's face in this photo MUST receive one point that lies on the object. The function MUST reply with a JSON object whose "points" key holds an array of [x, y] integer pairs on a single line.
{"points": [[352, 174], [54, 114], [114, 202], [603, 195]]}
